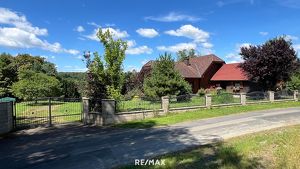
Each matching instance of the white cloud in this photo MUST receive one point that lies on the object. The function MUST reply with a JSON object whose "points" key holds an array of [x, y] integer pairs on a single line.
{"points": [[17, 38], [94, 24], [116, 33], [207, 45], [137, 50], [173, 17], [264, 33], [234, 58], [80, 57], [80, 28], [148, 33], [12, 18], [190, 32], [297, 47], [177, 47], [21, 34], [131, 43], [240, 45], [291, 37]]}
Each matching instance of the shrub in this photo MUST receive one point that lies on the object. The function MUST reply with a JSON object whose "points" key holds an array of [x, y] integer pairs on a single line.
{"points": [[133, 93], [201, 92]]}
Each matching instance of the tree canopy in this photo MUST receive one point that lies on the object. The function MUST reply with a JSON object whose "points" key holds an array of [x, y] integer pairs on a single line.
{"points": [[270, 63], [164, 79], [107, 77], [8, 74], [33, 85], [185, 54]]}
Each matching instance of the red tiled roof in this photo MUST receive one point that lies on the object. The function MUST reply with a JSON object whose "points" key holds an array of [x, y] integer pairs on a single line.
{"points": [[197, 67], [230, 72]]}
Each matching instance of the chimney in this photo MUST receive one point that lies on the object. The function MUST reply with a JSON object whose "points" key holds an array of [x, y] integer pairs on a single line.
{"points": [[187, 61]]}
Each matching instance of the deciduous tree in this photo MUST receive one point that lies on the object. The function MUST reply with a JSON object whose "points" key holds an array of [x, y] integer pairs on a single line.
{"points": [[33, 85], [270, 63], [185, 54]]}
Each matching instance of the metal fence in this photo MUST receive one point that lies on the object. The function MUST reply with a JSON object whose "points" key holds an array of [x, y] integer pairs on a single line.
{"points": [[225, 98], [138, 104], [283, 95], [189, 100], [47, 111], [257, 96]]}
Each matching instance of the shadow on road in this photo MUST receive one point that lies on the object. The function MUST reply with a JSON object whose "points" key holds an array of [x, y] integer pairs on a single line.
{"points": [[76, 146]]}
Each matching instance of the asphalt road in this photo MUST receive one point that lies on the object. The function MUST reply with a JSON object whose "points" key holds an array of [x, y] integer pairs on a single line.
{"points": [[82, 147]]}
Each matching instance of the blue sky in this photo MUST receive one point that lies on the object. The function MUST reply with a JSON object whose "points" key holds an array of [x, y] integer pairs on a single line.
{"points": [[60, 30]]}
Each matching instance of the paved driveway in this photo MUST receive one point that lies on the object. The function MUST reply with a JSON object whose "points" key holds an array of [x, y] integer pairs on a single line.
{"points": [[76, 146]]}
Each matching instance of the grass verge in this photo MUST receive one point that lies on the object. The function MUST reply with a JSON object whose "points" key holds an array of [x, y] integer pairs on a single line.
{"points": [[202, 114], [277, 148]]}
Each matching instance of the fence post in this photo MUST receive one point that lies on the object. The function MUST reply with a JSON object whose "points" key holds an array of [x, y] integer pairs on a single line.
{"points": [[50, 116], [208, 100], [271, 96], [296, 95], [165, 104], [85, 109], [108, 112], [243, 98]]}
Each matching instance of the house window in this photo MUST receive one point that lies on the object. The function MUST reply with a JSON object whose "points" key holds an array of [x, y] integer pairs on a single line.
{"points": [[237, 84]]}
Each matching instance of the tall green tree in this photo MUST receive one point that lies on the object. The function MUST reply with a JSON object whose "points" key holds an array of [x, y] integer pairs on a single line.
{"points": [[270, 63], [294, 82], [8, 74], [34, 63], [33, 85], [106, 78], [96, 78], [164, 79], [114, 55], [185, 54]]}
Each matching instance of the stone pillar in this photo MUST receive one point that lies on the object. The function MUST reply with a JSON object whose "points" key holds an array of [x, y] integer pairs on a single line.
{"points": [[296, 93], [208, 100], [86, 109], [271, 96], [108, 111], [243, 98], [165, 104], [6, 119]]}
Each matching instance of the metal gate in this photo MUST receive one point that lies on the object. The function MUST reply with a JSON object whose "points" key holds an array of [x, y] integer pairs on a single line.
{"points": [[47, 111]]}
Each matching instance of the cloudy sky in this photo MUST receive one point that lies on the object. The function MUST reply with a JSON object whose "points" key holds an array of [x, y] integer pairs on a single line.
{"points": [[60, 30]]}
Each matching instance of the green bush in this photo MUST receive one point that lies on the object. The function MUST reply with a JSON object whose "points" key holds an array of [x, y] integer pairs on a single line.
{"points": [[201, 92], [131, 94]]}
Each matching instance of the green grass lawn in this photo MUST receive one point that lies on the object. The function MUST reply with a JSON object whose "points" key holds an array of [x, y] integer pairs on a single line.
{"points": [[38, 113], [274, 149], [202, 114]]}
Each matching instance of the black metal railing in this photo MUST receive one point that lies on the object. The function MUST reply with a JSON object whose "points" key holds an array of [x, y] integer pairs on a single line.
{"points": [[47, 111], [138, 104], [188, 100], [257, 96]]}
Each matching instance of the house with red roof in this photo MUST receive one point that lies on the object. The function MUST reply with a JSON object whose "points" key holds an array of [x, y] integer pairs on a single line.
{"points": [[232, 78], [207, 72]]}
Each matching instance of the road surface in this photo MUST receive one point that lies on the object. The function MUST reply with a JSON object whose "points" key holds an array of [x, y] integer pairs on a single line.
{"points": [[76, 146]]}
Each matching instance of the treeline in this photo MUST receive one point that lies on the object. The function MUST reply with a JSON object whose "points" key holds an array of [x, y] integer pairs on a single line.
{"points": [[27, 77]]}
